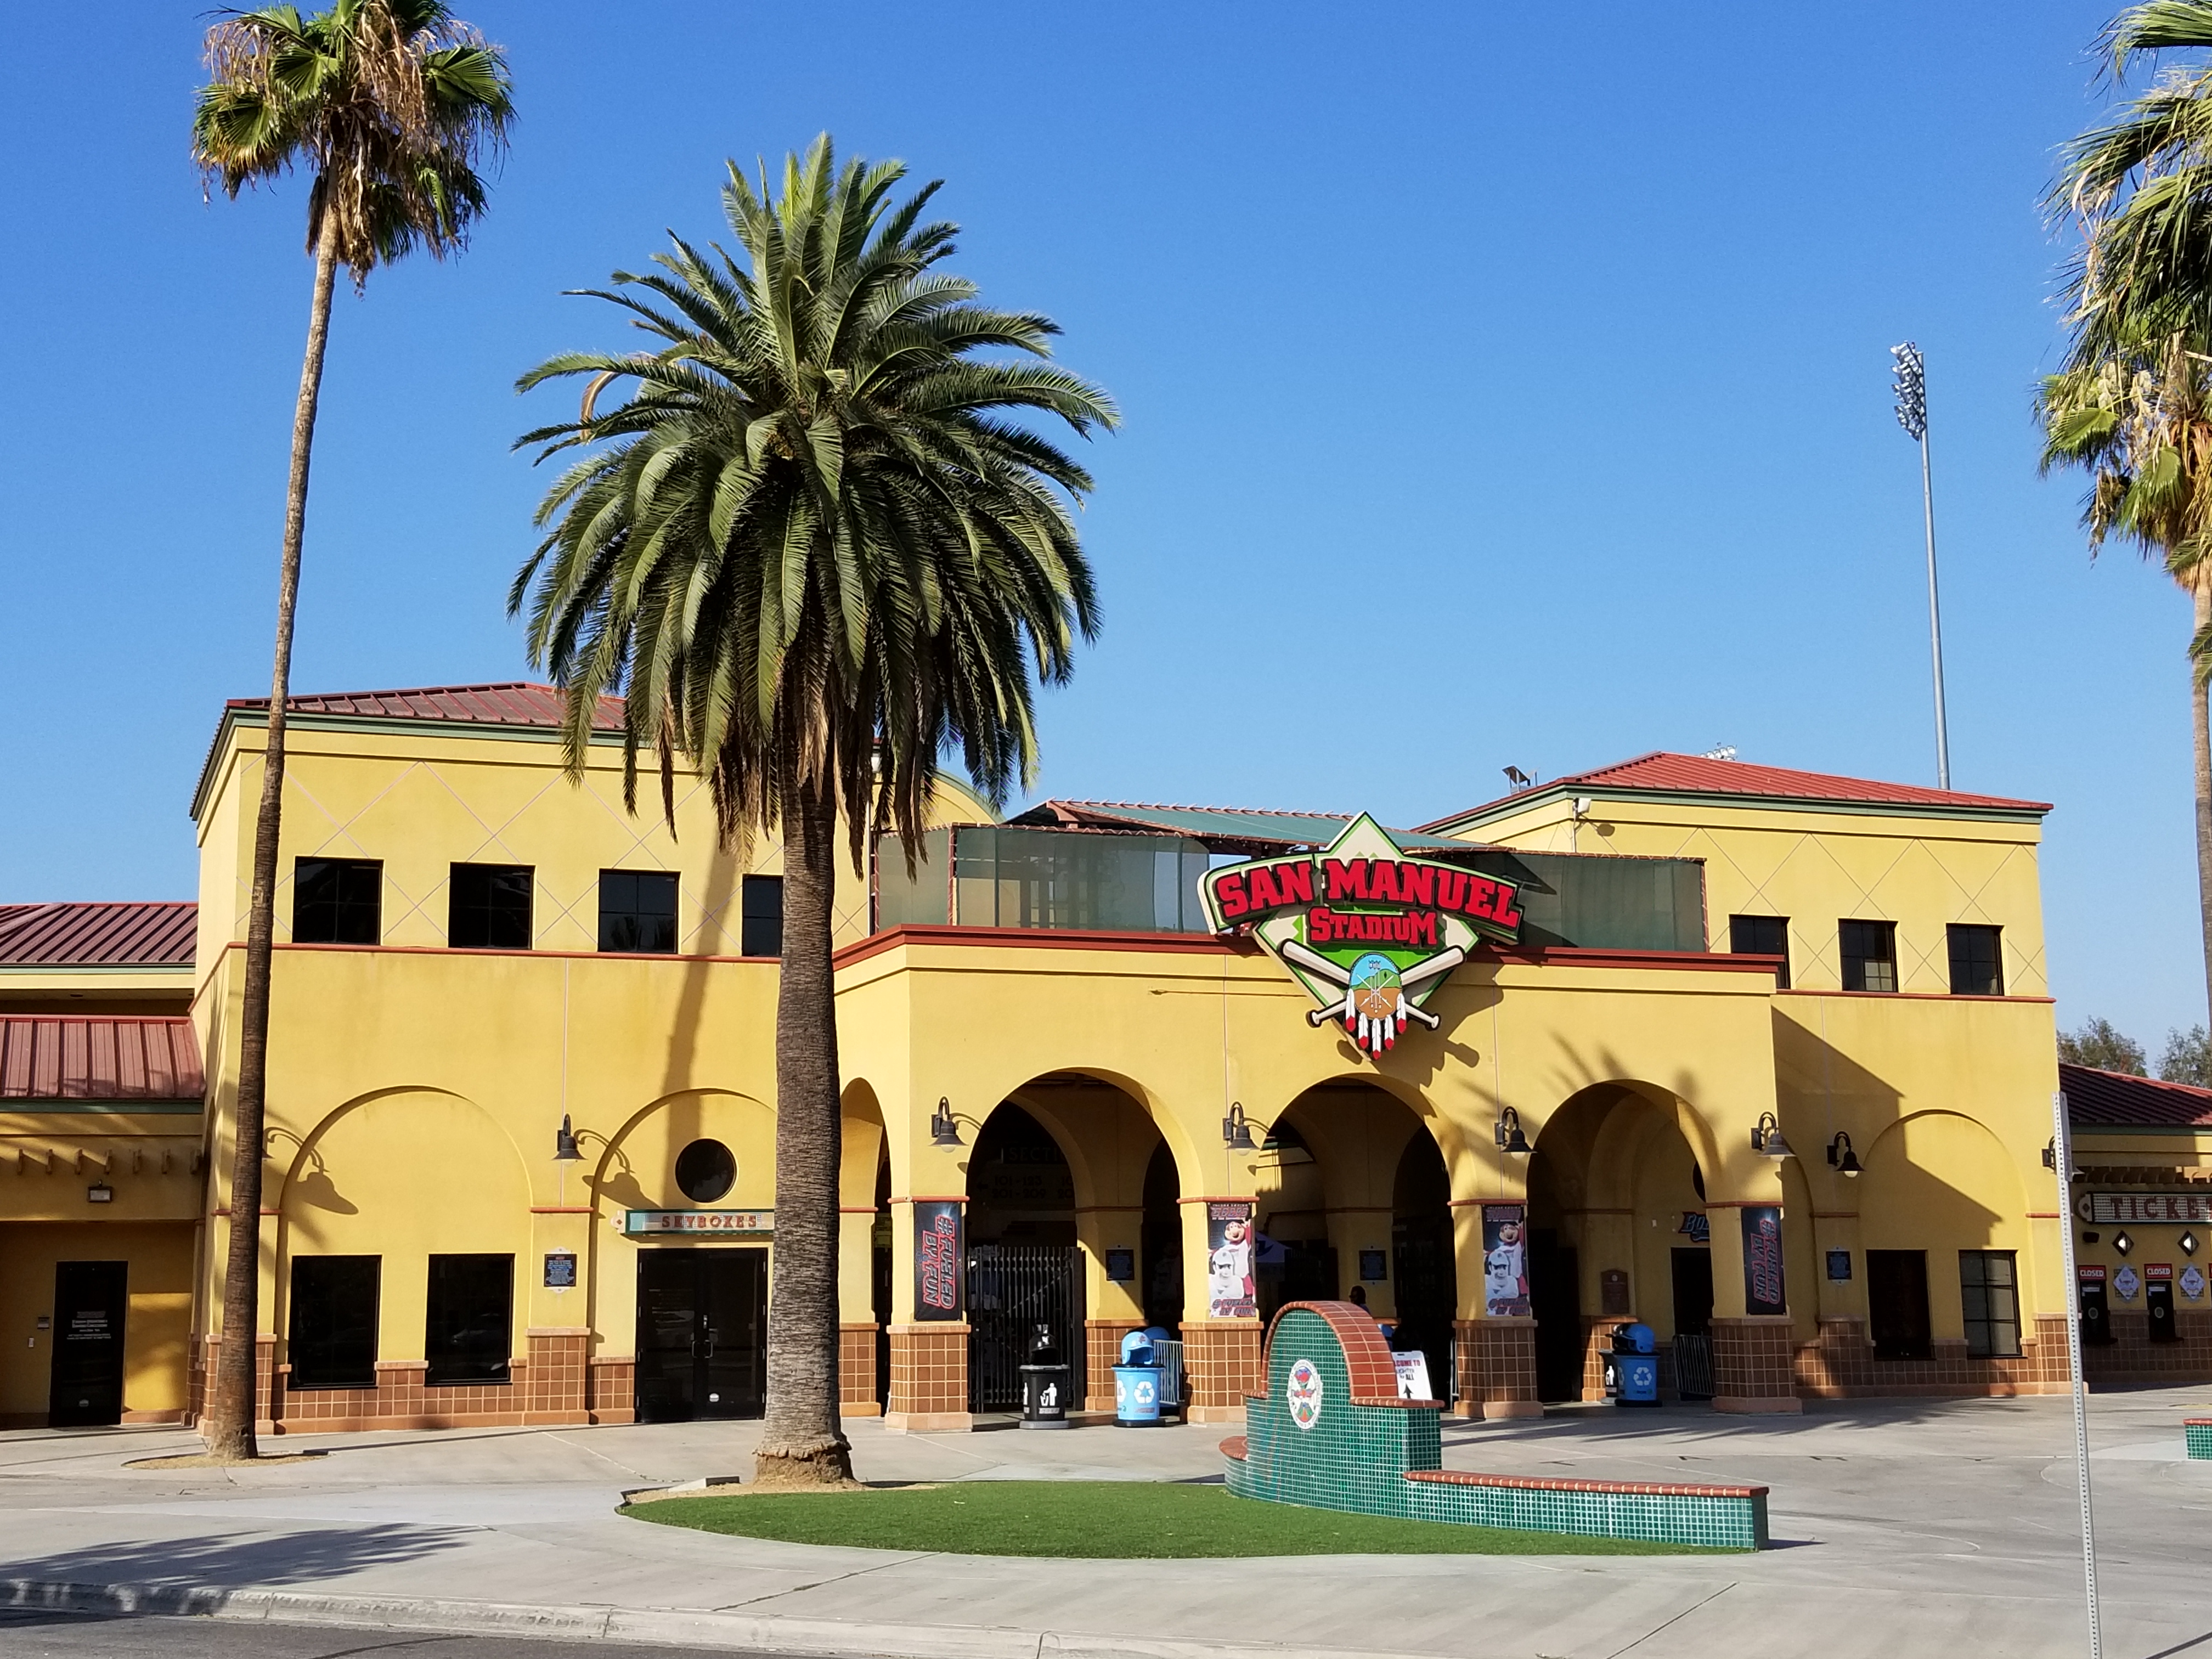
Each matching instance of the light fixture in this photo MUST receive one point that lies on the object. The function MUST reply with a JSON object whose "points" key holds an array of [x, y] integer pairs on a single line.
{"points": [[1507, 1131], [565, 1149], [943, 1131], [1236, 1129], [1766, 1137], [1842, 1159], [2050, 1154], [99, 1193], [2123, 1243], [2188, 1243]]}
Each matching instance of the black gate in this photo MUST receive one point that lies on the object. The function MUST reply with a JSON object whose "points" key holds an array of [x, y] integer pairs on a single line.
{"points": [[1011, 1289]]}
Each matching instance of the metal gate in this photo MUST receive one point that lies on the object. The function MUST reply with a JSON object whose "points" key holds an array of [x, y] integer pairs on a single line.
{"points": [[1693, 1366], [1011, 1289]]}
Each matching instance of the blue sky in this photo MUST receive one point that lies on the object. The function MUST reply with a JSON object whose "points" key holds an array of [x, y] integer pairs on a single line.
{"points": [[1496, 392]]}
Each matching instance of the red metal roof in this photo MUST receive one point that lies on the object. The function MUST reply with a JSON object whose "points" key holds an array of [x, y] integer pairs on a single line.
{"points": [[2109, 1098], [62, 1057], [1660, 771], [508, 702], [155, 934]]}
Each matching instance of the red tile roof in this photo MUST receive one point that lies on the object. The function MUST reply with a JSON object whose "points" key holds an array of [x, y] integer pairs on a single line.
{"points": [[2095, 1099], [508, 702], [155, 934], [62, 1057], [1660, 771]]}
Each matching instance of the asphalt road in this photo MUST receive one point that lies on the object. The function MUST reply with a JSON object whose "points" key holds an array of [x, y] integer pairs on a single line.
{"points": [[85, 1636]]}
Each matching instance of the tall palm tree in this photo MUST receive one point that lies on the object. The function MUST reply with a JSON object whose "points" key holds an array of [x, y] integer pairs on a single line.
{"points": [[390, 105], [817, 549], [2132, 405]]}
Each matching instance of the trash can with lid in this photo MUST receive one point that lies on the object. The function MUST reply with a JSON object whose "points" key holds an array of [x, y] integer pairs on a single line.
{"points": [[1632, 1367], [1044, 1385], [1137, 1383]]}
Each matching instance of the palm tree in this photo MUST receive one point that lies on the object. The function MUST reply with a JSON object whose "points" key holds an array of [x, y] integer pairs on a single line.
{"points": [[2132, 405], [817, 548], [389, 104]]}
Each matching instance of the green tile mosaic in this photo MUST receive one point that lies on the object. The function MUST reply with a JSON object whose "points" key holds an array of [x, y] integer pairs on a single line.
{"points": [[1328, 1433], [2198, 1434]]}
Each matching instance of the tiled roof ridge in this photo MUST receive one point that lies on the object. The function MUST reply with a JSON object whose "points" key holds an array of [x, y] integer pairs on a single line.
{"points": [[293, 699], [2098, 1098], [1175, 806], [98, 932], [2137, 1080]]}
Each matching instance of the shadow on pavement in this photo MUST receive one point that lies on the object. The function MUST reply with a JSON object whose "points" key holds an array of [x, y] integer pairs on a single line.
{"points": [[233, 1563]]}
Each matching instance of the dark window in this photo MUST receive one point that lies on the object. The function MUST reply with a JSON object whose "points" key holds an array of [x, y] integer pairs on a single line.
{"points": [[1988, 1294], [333, 1339], [1762, 936], [637, 910], [1869, 955], [705, 1170], [761, 933], [1977, 969], [469, 1331], [491, 906], [337, 901], [1897, 1303]]}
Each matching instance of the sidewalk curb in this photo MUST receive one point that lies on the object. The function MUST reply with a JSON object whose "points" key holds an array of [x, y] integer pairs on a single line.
{"points": [[672, 1626]]}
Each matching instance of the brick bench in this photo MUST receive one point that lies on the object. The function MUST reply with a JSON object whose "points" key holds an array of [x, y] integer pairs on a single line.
{"points": [[1328, 1434]]}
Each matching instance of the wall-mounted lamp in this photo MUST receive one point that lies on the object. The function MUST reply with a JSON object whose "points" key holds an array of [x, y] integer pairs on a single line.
{"points": [[1236, 1129], [2050, 1154], [1841, 1159], [943, 1131], [565, 1149], [1766, 1137], [2188, 1243], [1507, 1131], [99, 1193], [2123, 1243]]}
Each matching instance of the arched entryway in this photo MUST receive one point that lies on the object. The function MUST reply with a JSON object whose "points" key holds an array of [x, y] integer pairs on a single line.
{"points": [[1024, 1269]]}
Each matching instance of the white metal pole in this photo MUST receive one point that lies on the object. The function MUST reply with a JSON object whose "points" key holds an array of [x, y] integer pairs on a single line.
{"points": [[2064, 1144], [1935, 618]]}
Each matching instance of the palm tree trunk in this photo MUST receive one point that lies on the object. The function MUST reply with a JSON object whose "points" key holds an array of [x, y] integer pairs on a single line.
{"points": [[801, 1443], [229, 1425], [2201, 592]]}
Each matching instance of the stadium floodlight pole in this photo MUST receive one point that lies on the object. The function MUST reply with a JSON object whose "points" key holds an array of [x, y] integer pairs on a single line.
{"points": [[1911, 388], [2061, 1158]]}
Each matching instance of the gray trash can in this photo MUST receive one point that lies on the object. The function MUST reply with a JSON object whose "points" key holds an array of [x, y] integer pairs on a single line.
{"points": [[1045, 1384]]}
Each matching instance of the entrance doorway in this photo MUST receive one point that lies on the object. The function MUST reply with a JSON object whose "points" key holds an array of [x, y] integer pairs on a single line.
{"points": [[1897, 1303], [1693, 1321], [1555, 1297], [90, 1301], [1428, 1277], [701, 1318], [1024, 1270]]}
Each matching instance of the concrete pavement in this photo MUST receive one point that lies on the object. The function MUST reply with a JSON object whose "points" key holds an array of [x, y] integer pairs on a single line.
{"points": [[1904, 1528]]}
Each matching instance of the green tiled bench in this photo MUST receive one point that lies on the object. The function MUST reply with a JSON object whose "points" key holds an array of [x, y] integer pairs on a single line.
{"points": [[1331, 1432], [2198, 1433]]}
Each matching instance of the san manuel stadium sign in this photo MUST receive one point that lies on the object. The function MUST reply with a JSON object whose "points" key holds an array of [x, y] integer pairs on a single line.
{"points": [[1370, 933]]}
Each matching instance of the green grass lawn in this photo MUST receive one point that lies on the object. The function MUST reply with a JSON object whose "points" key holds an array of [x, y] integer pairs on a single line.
{"points": [[1116, 1519]]}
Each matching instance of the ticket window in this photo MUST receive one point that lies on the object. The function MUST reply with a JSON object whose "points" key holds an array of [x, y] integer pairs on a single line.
{"points": [[2158, 1301], [2096, 1313]]}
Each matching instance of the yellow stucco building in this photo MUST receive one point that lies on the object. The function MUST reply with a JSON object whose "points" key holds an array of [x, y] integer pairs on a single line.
{"points": [[1763, 1059]]}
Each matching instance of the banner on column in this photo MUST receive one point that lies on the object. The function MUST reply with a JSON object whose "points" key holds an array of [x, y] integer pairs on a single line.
{"points": [[1230, 1292], [936, 1258], [1762, 1260], [1504, 1261]]}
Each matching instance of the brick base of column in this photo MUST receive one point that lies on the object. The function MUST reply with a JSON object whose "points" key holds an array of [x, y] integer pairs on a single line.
{"points": [[1754, 1360], [929, 1379], [268, 1406], [610, 1389], [555, 1359], [1497, 1368], [1220, 1366], [1102, 1347], [856, 1370]]}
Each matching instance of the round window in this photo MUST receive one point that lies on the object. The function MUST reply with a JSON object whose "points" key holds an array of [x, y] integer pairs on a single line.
{"points": [[705, 1170]]}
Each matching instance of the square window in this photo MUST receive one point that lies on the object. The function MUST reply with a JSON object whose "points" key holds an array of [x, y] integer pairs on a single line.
{"points": [[470, 1327], [760, 928], [1762, 936], [491, 906], [1989, 1296], [637, 911], [1869, 952], [332, 1341], [1976, 967], [337, 901]]}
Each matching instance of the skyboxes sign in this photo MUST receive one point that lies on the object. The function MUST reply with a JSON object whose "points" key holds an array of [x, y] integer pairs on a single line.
{"points": [[1370, 933]]}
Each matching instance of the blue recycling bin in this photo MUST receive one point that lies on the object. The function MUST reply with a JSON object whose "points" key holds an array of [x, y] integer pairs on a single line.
{"points": [[1635, 1364], [1137, 1385]]}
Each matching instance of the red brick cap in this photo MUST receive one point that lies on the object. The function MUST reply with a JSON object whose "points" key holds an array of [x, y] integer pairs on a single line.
{"points": [[1236, 1447], [1367, 1359], [2196, 1422], [1534, 1483]]}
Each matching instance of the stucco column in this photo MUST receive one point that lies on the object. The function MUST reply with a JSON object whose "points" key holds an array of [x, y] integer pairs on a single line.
{"points": [[1112, 1307], [1220, 1355], [1606, 1246], [1497, 1353], [856, 1311], [1755, 1351], [557, 1335], [929, 1356]]}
